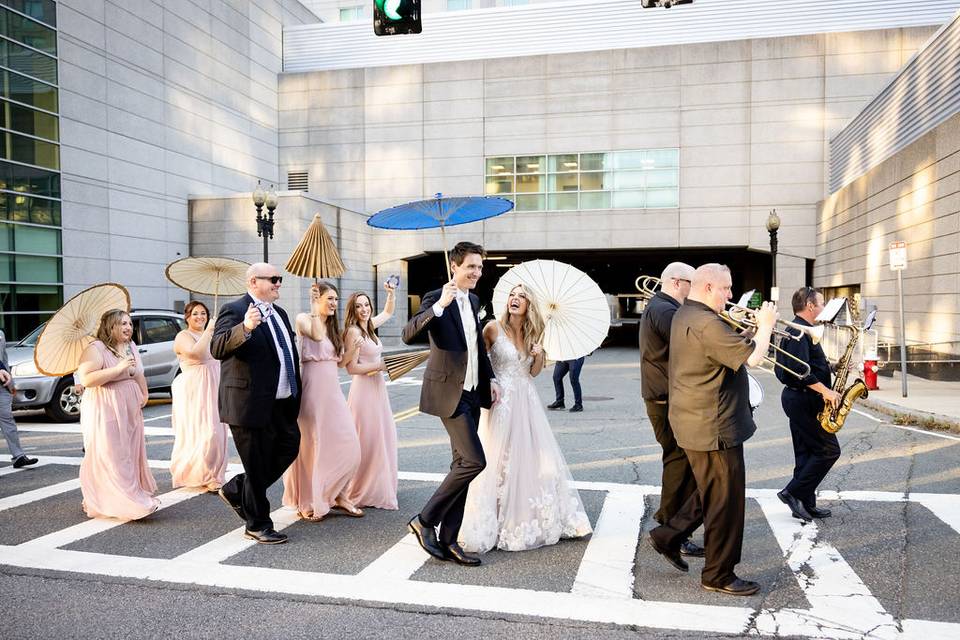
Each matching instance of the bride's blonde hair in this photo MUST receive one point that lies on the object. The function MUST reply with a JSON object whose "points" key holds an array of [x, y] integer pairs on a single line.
{"points": [[531, 329]]}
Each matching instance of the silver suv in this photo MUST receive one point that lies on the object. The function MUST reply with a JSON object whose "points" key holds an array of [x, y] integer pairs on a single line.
{"points": [[153, 331]]}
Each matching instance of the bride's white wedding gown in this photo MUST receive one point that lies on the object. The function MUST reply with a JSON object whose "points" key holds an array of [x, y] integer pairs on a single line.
{"points": [[524, 498]]}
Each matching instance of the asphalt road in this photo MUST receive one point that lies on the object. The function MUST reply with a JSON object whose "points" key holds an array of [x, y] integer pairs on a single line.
{"points": [[884, 566]]}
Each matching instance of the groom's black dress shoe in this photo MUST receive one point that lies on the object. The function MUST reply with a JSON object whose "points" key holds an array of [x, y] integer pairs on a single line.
{"points": [[556, 405], [24, 461], [816, 512], [267, 536], [673, 557], [236, 505], [692, 549], [456, 553], [796, 507], [738, 587], [427, 537]]}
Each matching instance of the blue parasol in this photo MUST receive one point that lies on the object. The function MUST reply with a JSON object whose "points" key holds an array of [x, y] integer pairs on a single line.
{"points": [[440, 212]]}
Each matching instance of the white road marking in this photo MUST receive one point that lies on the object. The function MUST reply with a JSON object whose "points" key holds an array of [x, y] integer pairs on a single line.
{"points": [[232, 543], [5, 471], [606, 569], [400, 561], [867, 415], [151, 419], [38, 494], [944, 506], [75, 428], [925, 431]]}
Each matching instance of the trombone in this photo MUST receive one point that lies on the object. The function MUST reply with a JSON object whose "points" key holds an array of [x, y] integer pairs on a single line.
{"points": [[744, 319]]}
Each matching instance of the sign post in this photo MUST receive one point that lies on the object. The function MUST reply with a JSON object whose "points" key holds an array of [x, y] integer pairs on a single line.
{"points": [[898, 262]]}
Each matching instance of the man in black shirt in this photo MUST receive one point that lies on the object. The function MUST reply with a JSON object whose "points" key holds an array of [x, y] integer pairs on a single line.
{"points": [[711, 418], [814, 450], [678, 484]]}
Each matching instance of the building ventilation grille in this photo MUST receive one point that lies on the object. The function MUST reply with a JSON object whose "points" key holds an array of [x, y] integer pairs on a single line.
{"points": [[298, 180]]}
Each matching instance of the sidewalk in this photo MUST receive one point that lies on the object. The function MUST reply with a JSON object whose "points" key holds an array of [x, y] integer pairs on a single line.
{"points": [[926, 399]]}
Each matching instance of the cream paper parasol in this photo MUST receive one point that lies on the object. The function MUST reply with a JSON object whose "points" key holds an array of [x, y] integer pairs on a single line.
{"points": [[316, 256], [74, 327], [209, 275], [399, 364], [574, 309]]}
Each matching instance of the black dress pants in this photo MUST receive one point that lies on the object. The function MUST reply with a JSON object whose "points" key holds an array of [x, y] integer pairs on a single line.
{"points": [[678, 483], [721, 484], [266, 452], [445, 507], [814, 450]]}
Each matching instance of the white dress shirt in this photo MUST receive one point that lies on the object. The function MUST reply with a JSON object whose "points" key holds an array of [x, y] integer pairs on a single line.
{"points": [[283, 384], [469, 322]]}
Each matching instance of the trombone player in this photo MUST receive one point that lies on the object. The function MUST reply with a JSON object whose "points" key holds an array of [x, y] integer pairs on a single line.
{"points": [[678, 483], [814, 449], [711, 419]]}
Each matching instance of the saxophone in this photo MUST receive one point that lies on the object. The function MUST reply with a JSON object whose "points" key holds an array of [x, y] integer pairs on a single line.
{"points": [[832, 418]]}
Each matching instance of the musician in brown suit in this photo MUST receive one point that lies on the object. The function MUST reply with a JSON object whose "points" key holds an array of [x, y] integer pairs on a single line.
{"points": [[458, 380]]}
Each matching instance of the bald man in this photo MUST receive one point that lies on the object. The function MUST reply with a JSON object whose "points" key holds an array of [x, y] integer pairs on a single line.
{"points": [[259, 396], [711, 419], [678, 483]]}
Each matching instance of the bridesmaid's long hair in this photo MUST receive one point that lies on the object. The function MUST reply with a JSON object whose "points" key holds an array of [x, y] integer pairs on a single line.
{"points": [[108, 322], [332, 325], [531, 330], [351, 318]]}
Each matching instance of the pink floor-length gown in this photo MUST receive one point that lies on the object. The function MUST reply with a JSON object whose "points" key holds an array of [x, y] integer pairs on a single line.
{"points": [[329, 448], [115, 479], [375, 483], [199, 457]]}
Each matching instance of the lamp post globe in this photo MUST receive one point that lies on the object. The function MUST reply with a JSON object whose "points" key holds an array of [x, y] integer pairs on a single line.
{"points": [[265, 222]]}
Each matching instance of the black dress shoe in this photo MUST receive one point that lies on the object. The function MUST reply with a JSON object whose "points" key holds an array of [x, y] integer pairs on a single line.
{"points": [[267, 536], [24, 461], [427, 537], [692, 549], [816, 512], [236, 505], [457, 554], [577, 408], [556, 405], [796, 507], [736, 588], [673, 557]]}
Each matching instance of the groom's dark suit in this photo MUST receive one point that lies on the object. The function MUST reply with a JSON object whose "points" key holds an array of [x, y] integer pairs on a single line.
{"points": [[443, 395], [264, 427]]}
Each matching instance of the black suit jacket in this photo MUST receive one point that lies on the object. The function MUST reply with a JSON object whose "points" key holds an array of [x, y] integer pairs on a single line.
{"points": [[447, 365], [250, 367]]}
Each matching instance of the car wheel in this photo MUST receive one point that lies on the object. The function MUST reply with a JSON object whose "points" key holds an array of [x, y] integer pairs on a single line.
{"points": [[64, 406]]}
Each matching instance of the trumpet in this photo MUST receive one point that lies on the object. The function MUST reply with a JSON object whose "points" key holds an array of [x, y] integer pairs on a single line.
{"points": [[747, 317], [745, 320]]}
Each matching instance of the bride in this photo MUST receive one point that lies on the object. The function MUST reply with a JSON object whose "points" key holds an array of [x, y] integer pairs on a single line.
{"points": [[524, 498]]}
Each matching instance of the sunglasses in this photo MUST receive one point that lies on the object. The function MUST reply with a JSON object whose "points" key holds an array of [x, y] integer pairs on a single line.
{"points": [[272, 279]]}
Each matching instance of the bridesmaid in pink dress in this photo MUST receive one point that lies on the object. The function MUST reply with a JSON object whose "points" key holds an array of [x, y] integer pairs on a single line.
{"points": [[115, 478], [375, 483], [199, 456], [329, 455]]}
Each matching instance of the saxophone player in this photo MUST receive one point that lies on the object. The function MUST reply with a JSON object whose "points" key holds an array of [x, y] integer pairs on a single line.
{"points": [[814, 449]]}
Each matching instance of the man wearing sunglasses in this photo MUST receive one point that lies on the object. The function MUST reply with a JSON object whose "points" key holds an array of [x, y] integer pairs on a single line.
{"points": [[259, 396]]}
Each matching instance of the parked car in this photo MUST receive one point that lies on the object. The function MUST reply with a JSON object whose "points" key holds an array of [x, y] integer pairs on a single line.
{"points": [[154, 331]]}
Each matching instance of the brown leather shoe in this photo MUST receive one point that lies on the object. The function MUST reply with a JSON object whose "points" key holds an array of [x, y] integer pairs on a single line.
{"points": [[737, 587], [673, 557], [267, 536]]}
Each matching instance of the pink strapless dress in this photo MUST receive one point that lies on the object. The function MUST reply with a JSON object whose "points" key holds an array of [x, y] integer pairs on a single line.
{"points": [[329, 448], [115, 479], [199, 457], [375, 483]]}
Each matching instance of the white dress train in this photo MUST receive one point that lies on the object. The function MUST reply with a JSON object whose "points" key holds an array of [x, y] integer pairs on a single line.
{"points": [[524, 498]]}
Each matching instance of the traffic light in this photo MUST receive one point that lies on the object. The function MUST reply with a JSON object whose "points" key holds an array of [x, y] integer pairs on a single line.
{"points": [[392, 17]]}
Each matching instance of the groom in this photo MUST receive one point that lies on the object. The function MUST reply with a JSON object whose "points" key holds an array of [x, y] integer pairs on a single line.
{"points": [[457, 382]]}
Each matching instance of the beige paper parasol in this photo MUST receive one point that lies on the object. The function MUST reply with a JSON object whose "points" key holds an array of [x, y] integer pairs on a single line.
{"points": [[316, 256], [399, 364], [574, 308], [74, 326], [209, 275]]}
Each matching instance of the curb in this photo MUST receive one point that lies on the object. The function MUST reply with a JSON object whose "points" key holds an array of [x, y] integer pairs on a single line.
{"points": [[891, 409]]}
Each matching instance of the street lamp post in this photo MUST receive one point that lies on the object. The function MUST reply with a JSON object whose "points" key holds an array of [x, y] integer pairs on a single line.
{"points": [[773, 225], [265, 221]]}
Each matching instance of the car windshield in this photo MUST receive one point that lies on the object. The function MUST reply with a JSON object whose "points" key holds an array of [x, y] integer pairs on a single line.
{"points": [[31, 339]]}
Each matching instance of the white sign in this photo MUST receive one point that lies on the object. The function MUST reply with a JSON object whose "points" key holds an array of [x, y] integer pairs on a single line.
{"points": [[898, 255]]}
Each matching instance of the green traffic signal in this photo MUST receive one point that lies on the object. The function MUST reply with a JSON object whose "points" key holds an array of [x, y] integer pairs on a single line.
{"points": [[393, 17]]}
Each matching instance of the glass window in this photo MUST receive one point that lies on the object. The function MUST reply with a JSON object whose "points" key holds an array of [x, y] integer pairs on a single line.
{"points": [[42, 10], [29, 239], [531, 164], [27, 61], [628, 159], [564, 181], [499, 166], [29, 32], [39, 301], [30, 150], [661, 178], [593, 161], [458, 5], [513, 3], [628, 199], [499, 184], [34, 269], [15, 177], [23, 208], [530, 184], [562, 201], [351, 14], [595, 200], [154, 330], [28, 91], [662, 198], [564, 163], [29, 121], [595, 181], [529, 203], [629, 180], [657, 158]]}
